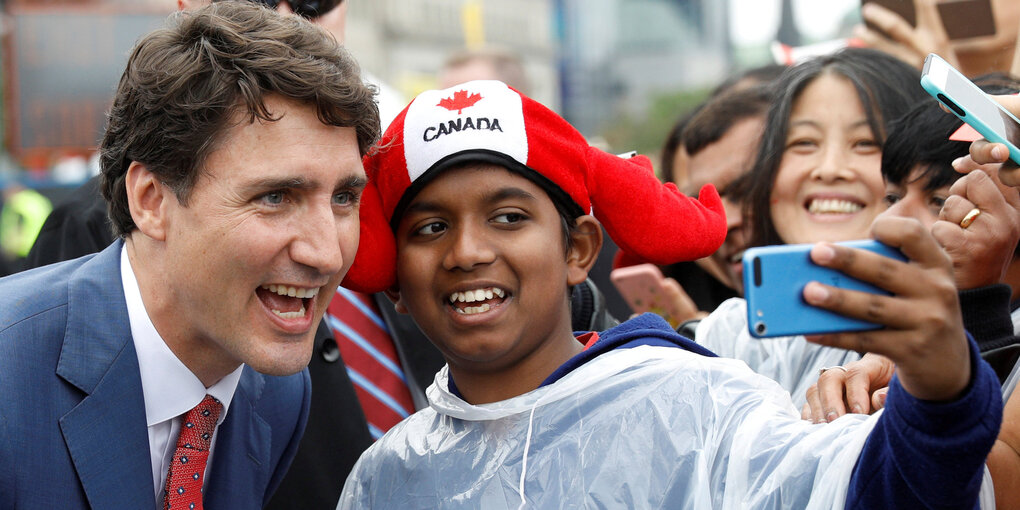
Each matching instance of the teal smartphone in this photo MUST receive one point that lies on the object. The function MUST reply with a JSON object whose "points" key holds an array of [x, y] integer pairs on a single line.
{"points": [[971, 104], [774, 280]]}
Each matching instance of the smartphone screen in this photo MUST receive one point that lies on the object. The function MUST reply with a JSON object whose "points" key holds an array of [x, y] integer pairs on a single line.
{"points": [[971, 104]]}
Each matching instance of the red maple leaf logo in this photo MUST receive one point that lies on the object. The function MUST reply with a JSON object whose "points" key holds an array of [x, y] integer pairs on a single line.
{"points": [[459, 101]]}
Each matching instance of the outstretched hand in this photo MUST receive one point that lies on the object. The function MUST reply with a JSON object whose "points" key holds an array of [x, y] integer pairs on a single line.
{"points": [[923, 333]]}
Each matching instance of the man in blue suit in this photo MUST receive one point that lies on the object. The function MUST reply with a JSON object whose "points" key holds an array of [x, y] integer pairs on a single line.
{"points": [[232, 165]]}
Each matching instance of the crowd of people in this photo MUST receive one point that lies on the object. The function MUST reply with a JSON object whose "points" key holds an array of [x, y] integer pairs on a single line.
{"points": [[278, 295]]}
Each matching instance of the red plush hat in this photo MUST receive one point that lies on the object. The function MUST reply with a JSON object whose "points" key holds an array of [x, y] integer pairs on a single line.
{"points": [[487, 121]]}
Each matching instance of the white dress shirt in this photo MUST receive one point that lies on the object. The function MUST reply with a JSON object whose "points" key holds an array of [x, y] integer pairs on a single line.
{"points": [[169, 388]]}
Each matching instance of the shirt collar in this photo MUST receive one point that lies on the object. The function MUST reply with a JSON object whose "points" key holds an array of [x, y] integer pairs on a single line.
{"points": [[170, 389]]}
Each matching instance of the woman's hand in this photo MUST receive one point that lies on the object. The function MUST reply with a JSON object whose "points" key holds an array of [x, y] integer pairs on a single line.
{"points": [[858, 387]]}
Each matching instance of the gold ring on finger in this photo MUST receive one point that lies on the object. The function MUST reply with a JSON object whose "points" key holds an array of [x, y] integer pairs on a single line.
{"points": [[970, 217]]}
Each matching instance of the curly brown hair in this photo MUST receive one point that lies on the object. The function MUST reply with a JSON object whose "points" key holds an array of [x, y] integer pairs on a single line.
{"points": [[186, 84]]}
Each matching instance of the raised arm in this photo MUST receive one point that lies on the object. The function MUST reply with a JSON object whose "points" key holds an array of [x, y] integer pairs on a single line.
{"points": [[943, 410]]}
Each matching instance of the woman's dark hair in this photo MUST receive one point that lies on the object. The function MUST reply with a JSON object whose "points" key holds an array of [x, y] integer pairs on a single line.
{"points": [[886, 88]]}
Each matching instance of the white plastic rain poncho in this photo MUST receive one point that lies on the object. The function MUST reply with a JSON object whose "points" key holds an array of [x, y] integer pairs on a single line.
{"points": [[643, 427], [791, 361]]}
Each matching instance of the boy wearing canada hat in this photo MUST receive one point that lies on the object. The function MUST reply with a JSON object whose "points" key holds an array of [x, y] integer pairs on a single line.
{"points": [[481, 213]]}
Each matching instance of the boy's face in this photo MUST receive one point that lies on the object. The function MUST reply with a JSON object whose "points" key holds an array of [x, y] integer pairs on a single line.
{"points": [[913, 200], [483, 270]]}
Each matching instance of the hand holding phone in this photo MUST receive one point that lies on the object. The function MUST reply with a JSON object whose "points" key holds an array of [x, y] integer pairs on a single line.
{"points": [[774, 280], [971, 104], [960, 19], [646, 290], [923, 327], [983, 250], [984, 152]]}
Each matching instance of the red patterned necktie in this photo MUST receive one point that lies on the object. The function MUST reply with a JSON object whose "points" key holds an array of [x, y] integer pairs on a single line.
{"points": [[371, 360], [187, 468]]}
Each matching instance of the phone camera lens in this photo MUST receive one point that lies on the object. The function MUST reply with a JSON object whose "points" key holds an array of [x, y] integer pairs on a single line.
{"points": [[759, 327]]}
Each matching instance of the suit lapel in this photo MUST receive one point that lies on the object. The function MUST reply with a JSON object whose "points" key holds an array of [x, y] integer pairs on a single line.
{"points": [[106, 432], [241, 462]]}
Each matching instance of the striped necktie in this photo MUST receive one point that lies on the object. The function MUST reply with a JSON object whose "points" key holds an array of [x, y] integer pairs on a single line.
{"points": [[371, 360]]}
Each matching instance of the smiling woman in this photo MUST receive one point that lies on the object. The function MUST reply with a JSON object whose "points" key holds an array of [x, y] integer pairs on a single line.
{"points": [[828, 187], [819, 161]]}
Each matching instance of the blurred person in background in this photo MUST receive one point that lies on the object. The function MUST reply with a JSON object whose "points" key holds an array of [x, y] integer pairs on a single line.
{"points": [[673, 162], [22, 214], [492, 63], [721, 140], [715, 143]]}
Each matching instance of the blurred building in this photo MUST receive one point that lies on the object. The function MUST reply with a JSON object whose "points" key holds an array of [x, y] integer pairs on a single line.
{"points": [[616, 53], [62, 60], [405, 42], [588, 59]]}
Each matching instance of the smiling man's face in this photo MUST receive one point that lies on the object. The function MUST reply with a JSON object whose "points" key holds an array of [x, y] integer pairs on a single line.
{"points": [[267, 233]]}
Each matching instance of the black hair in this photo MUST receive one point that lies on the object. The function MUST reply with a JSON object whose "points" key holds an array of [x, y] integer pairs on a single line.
{"points": [[719, 114], [755, 76], [187, 84], [920, 138], [674, 140]]}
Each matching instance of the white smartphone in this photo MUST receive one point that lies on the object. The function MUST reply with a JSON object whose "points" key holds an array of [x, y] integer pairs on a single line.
{"points": [[971, 104]]}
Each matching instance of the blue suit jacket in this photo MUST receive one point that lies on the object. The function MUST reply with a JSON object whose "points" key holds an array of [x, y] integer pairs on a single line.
{"points": [[72, 416]]}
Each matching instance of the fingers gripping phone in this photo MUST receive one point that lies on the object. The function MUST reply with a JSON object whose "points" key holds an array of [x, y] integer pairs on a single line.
{"points": [[971, 104], [774, 280], [645, 289]]}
